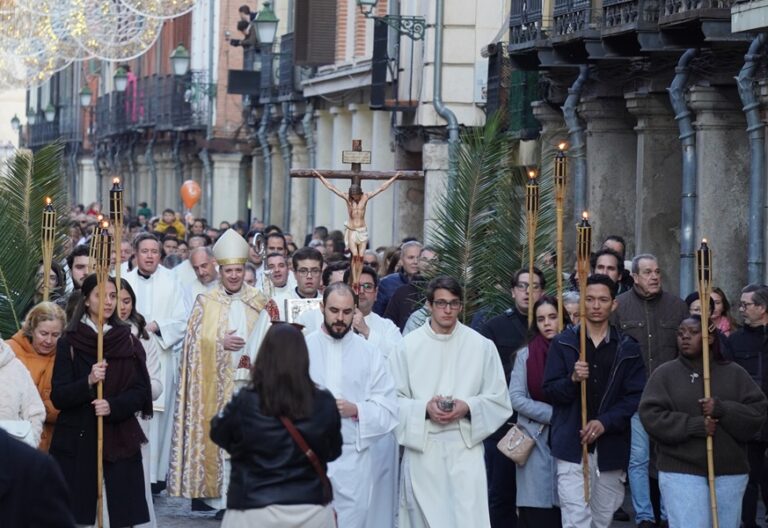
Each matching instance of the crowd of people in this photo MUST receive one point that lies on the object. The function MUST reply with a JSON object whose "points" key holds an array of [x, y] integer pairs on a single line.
{"points": [[375, 406]]}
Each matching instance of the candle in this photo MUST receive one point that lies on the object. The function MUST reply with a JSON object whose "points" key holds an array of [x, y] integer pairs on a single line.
{"points": [[532, 193], [116, 202], [584, 230], [561, 166], [704, 262]]}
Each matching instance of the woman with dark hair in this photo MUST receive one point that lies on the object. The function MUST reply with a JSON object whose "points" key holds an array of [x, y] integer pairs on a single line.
{"points": [[126, 393], [721, 315], [678, 418], [126, 310], [537, 500], [275, 482]]}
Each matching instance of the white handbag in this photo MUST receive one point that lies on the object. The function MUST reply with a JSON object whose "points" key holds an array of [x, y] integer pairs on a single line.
{"points": [[20, 430]]}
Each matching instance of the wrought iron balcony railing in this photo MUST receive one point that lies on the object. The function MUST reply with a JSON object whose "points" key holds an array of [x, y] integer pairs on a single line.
{"points": [[675, 11], [525, 24], [572, 18]]}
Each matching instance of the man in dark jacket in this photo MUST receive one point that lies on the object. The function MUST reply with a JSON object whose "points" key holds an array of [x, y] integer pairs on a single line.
{"points": [[651, 316], [508, 332], [409, 267], [749, 348], [32, 488], [615, 377]]}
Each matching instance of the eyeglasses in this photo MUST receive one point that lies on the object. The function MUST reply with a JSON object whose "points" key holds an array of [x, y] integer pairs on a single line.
{"points": [[367, 286], [443, 304], [745, 305], [304, 271], [522, 286], [372, 264]]}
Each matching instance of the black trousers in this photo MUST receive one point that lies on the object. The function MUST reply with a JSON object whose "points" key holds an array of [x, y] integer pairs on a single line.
{"points": [[539, 517], [502, 488], [756, 456]]}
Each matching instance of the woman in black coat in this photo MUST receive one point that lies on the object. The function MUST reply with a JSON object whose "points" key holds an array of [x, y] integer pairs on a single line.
{"points": [[273, 483], [126, 393]]}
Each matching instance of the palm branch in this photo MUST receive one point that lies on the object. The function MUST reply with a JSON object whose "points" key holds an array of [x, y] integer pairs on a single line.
{"points": [[25, 181], [480, 228]]}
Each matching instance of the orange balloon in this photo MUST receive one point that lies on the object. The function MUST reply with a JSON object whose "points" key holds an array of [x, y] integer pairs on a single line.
{"points": [[190, 193]]}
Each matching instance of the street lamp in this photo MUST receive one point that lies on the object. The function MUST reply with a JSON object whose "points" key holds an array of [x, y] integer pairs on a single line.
{"points": [[85, 97], [121, 79], [411, 26], [180, 59], [50, 113], [31, 116], [266, 25], [15, 123]]}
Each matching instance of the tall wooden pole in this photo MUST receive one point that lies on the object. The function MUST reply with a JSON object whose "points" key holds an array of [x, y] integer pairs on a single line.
{"points": [[584, 245], [103, 254], [704, 272], [116, 201], [48, 238], [93, 247], [532, 216], [561, 175]]}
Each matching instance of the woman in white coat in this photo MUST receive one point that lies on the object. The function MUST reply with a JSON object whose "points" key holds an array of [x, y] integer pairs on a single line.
{"points": [[536, 480], [126, 306], [22, 412]]}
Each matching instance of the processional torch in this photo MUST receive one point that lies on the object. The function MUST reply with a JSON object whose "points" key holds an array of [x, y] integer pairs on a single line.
{"points": [[93, 247], [561, 175], [704, 272], [116, 215], [584, 245], [48, 236], [103, 254], [532, 217]]}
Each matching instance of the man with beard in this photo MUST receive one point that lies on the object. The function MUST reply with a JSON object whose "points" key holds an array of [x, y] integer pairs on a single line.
{"points": [[224, 333], [161, 299], [355, 373], [78, 262]]}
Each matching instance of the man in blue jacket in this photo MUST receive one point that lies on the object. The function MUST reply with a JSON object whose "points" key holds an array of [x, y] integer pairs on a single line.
{"points": [[615, 377]]}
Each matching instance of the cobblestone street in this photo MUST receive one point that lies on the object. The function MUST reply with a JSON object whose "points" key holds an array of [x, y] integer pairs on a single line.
{"points": [[176, 513]]}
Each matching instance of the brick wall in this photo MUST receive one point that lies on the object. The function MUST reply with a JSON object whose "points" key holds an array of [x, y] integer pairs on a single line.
{"points": [[341, 30]]}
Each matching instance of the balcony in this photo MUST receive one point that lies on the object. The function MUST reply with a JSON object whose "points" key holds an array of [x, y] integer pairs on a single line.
{"points": [[576, 29], [525, 25], [685, 22], [286, 77], [163, 102], [631, 26], [66, 126]]}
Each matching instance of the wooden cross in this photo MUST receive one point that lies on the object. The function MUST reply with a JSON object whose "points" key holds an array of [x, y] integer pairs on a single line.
{"points": [[356, 232]]}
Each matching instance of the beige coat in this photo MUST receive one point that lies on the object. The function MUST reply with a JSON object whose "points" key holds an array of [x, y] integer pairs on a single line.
{"points": [[19, 399]]}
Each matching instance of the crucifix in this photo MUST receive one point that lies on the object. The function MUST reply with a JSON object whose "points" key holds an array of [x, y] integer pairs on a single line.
{"points": [[356, 231]]}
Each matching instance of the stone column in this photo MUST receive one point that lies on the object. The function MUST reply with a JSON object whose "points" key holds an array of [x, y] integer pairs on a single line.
{"points": [[658, 187], [324, 155], [722, 154], [87, 191], [166, 181], [341, 140], [384, 213], [299, 190], [278, 181], [611, 159], [435, 182], [257, 184], [229, 191]]}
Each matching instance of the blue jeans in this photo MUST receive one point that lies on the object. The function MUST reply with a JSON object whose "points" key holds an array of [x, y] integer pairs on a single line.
{"points": [[687, 499], [637, 473]]}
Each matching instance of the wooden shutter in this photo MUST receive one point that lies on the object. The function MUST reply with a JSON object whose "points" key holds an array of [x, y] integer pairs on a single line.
{"points": [[315, 32]]}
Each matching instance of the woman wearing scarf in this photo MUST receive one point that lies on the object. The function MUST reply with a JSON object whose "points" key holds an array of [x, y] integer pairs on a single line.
{"points": [[537, 480], [126, 393]]}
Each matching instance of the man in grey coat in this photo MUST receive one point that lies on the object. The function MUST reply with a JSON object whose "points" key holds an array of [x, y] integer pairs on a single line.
{"points": [[651, 316]]}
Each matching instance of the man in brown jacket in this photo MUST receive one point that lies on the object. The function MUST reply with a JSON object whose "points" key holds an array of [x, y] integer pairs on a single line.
{"points": [[651, 316]]}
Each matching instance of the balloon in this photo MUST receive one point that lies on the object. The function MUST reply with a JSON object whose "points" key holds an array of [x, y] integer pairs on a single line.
{"points": [[190, 193]]}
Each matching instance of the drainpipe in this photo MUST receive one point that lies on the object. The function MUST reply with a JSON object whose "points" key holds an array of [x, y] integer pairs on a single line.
{"points": [[97, 169], [178, 169], [309, 136], [132, 170], [442, 110], [577, 149], [688, 142], [263, 136], [149, 157], [73, 167], [205, 157], [756, 132], [285, 151]]}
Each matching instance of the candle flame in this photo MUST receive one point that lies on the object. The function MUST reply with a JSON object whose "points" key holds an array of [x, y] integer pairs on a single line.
{"points": [[562, 145], [532, 174], [703, 240], [116, 181], [47, 200], [585, 215], [99, 218], [105, 224]]}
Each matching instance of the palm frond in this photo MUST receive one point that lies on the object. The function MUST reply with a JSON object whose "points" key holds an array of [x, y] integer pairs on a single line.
{"points": [[480, 229], [25, 181]]}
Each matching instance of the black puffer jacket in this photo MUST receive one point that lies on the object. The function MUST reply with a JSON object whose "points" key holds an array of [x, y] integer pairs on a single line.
{"points": [[267, 465]]}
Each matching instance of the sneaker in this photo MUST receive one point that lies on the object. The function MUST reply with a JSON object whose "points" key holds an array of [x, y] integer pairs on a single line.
{"points": [[620, 515]]}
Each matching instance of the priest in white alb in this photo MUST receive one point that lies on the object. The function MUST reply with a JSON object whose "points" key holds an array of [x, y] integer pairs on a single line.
{"points": [[355, 373], [385, 337], [224, 333], [452, 394], [160, 298]]}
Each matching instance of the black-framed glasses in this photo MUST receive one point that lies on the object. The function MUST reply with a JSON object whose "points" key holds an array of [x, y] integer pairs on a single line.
{"points": [[304, 271], [443, 304], [367, 286]]}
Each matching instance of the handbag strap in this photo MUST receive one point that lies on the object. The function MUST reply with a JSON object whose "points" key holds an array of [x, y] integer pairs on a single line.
{"points": [[313, 459]]}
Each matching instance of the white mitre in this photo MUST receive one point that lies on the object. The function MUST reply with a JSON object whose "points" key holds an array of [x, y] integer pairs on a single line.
{"points": [[230, 248]]}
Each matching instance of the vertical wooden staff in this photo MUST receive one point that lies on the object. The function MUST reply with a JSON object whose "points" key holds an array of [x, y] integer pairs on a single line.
{"points": [[584, 245], [532, 216], [48, 236], [704, 272], [561, 174], [103, 254], [93, 247], [116, 215]]}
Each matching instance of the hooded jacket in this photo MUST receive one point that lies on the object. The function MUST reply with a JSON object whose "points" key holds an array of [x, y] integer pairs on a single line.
{"points": [[19, 399]]}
